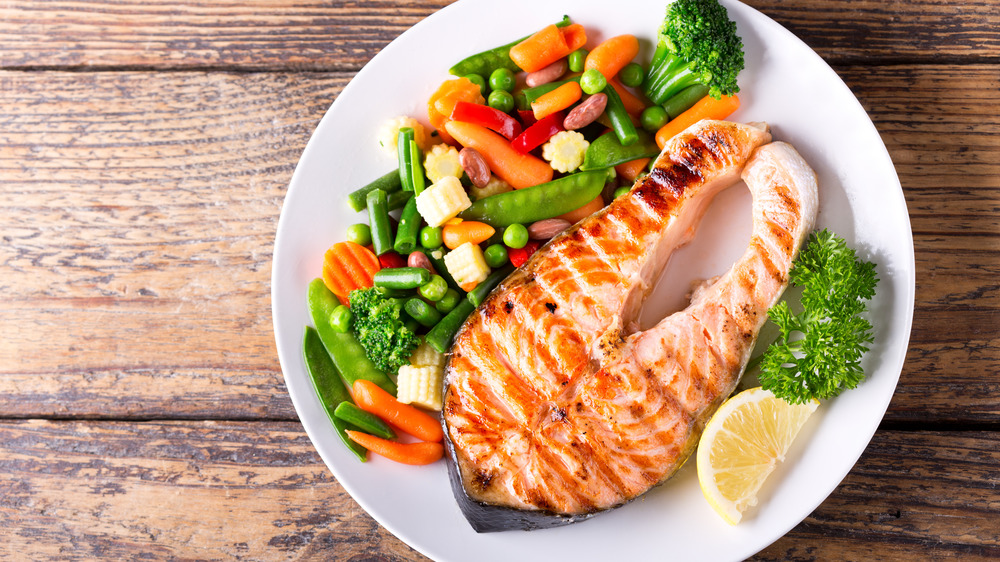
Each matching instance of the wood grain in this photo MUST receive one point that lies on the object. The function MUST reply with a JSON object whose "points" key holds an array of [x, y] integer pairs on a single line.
{"points": [[80, 490], [331, 36]]}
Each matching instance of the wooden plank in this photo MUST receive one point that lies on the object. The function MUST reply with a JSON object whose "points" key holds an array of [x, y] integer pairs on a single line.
{"points": [[258, 491], [89, 170], [317, 35]]}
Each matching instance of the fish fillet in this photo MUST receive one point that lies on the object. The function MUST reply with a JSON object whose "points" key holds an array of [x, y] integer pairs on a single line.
{"points": [[556, 406]]}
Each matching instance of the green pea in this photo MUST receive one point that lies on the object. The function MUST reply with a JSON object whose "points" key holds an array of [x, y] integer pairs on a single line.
{"points": [[478, 80], [621, 191], [495, 255], [501, 100], [632, 75], [593, 82], [515, 236], [502, 79], [341, 318], [430, 237], [448, 302], [435, 289], [653, 117], [360, 234], [577, 59]]}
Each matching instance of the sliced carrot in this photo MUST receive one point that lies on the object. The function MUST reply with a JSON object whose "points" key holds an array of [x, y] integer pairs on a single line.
{"points": [[371, 398], [612, 55], [706, 108], [590, 208], [519, 170], [548, 45], [556, 100], [348, 266], [633, 104], [406, 453], [442, 102], [631, 170], [454, 235]]}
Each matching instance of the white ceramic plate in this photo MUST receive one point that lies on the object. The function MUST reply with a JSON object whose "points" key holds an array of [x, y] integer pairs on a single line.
{"points": [[784, 83]]}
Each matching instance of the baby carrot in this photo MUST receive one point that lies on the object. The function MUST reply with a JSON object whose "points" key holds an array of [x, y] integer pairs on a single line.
{"points": [[407, 453], [370, 398], [706, 108], [548, 45], [612, 55], [348, 266], [454, 235], [556, 100], [519, 170], [596, 204], [631, 169]]}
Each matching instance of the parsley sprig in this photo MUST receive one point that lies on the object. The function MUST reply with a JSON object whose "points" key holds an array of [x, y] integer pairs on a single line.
{"points": [[818, 353]]}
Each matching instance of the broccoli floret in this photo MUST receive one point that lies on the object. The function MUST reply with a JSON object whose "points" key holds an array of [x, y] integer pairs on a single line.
{"points": [[697, 44], [379, 327]]}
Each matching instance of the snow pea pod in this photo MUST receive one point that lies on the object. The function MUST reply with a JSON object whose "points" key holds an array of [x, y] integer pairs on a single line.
{"points": [[328, 386], [486, 62], [607, 150], [539, 202], [345, 350]]}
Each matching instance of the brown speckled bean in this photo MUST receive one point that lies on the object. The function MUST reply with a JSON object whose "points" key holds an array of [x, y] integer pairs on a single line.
{"points": [[548, 74], [475, 166], [545, 229], [419, 259], [586, 113]]}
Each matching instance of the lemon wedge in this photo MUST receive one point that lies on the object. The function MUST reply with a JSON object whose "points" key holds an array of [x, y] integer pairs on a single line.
{"points": [[742, 444]]}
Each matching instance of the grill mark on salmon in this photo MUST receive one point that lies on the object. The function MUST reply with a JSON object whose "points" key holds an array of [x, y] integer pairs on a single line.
{"points": [[578, 412]]}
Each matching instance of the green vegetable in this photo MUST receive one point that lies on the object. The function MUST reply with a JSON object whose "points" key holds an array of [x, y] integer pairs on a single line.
{"points": [[632, 75], [483, 290], [409, 226], [478, 80], [378, 325], [593, 82], [346, 351], [515, 236], [365, 421], [818, 352], [416, 168], [437, 260], [486, 62], [621, 121], [400, 278], [422, 312], [448, 302], [398, 199], [684, 99], [607, 151], [405, 157], [341, 319], [431, 237], [577, 59], [360, 234], [501, 100], [529, 95], [378, 220], [653, 117], [495, 255], [697, 44], [444, 331], [328, 385], [388, 183], [621, 191], [538, 202], [502, 79], [435, 289]]}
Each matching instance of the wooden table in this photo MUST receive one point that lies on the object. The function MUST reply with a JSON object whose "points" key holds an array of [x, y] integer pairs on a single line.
{"points": [[145, 148]]}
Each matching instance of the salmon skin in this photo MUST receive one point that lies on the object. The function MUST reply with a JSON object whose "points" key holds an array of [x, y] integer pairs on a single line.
{"points": [[556, 406]]}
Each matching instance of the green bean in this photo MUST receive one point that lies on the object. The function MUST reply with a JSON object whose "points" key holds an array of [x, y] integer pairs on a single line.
{"points": [[483, 290], [486, 62], [343, 348], [422, 312], [684, 99], [398, 199], [539, 202], [388, 183], [402, 277], [405, 158], [416, 168], [409, 227], [607, 151], [328, 386], [448, 302], [443, 332], [378, 221], [621, 121], [365, 421]]}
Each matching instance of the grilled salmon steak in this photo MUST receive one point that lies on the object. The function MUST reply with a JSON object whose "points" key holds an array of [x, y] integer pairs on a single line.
{"points": [[556, 406]]}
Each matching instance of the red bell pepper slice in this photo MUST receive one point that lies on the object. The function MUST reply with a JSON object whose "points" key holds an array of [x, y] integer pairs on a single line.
{"points": [[527, 117], [536, 135], [520, 255], [486, 116]]}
